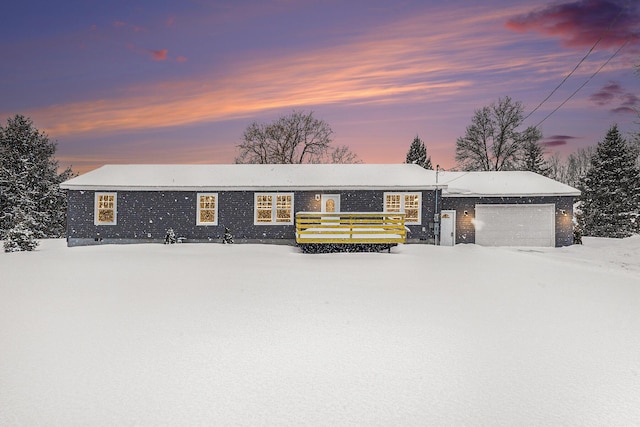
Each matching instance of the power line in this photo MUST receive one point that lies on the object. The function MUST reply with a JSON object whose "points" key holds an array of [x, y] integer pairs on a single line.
{"points": [[585, 83], [580, 62]]}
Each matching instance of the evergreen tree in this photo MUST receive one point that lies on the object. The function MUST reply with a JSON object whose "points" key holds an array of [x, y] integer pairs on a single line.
{"points": [[611, 190], [533, 154], [418, 154], [20, 237], [29, 179]]}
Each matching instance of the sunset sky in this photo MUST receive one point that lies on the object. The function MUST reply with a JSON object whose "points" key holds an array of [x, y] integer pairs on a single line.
{"points": [[143, 81]]}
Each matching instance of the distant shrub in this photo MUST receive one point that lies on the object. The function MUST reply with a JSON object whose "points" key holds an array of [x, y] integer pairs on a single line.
{"points": [[228, 237], [170, 237]]}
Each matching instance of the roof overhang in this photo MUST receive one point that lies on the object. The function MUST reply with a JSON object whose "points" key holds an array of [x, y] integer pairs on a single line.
{"points": [[518, 195], [246, 188]]}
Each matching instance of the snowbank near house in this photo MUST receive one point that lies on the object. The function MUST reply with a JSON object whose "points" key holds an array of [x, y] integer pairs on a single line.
{"points": [[265, 335]]}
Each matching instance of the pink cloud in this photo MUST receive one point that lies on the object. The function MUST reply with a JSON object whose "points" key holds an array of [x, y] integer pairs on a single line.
{"points": [[159, 55], [132, 27], [580, 23], [156, 54]]}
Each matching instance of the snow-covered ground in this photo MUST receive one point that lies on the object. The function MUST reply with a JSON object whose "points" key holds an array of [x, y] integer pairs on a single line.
{"points": [[216, 334]]}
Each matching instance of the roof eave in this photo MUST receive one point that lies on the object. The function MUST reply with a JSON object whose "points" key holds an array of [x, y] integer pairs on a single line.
{"points": [[78, 187], [555, 194]]}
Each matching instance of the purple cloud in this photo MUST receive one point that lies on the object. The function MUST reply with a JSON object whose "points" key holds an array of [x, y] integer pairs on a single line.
{"points": [[624, 110], [557, 140], [580, 23], [614, 93], [630, 100], [608, 93]]}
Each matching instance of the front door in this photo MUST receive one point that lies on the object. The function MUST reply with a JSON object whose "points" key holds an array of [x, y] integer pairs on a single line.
{"points": [[447, 228], [330, 203]]}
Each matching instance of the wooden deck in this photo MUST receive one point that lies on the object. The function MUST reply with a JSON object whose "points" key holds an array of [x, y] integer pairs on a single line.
{"points": [[350, 228]]}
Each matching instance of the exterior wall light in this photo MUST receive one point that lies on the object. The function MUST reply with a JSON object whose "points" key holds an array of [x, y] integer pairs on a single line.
{"points": [[563, 212], [317, 197], [466, 213]]}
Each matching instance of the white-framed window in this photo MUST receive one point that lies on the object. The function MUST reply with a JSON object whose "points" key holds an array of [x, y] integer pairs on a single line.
{"points": [[106, 209], [207, 209], [273, 208], [408, 203]]}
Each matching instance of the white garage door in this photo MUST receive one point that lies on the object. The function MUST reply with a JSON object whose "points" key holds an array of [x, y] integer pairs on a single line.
{"points": [[515, 225]]}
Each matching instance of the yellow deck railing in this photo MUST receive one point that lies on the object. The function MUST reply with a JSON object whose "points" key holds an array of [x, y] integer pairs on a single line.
{"points": [[350, 227]]}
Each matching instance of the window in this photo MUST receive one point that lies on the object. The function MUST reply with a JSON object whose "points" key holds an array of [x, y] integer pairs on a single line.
{"points": [[264, 208], [409, 203], [273, 208], [105, 212], [412, 208], [207, 209], [392, 203]]}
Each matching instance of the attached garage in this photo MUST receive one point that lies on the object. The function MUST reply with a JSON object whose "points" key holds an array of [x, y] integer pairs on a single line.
{"points": [[521, 225], [512, 208]]}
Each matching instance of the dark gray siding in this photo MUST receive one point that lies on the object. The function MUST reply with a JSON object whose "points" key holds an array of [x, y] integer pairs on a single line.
{"points": [[465, 230], [146, 216]]}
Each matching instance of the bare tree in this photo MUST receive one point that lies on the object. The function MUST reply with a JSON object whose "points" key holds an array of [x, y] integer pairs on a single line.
{"points": [[343, 154], [295, 138], [557, 168], [492, 142], [571, 170], [578, 164]]}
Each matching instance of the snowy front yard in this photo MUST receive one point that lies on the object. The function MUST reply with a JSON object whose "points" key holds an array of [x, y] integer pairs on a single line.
{"points": [[264, 335]]}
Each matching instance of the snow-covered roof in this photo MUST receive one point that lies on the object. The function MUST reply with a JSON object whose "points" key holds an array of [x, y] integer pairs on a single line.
{"points": [[255, 177], [316, 177], [503, 183]]}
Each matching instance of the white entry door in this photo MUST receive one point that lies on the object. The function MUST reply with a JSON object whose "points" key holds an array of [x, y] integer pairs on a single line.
{"points": [[330, 203], [447, 228]]}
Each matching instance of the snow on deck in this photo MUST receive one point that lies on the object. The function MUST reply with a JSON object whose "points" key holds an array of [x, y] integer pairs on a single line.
{"points": [[328, 233]]}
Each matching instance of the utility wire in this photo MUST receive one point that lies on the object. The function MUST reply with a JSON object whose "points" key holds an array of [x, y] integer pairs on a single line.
{"points": [[585, 83], [580, 62]]}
